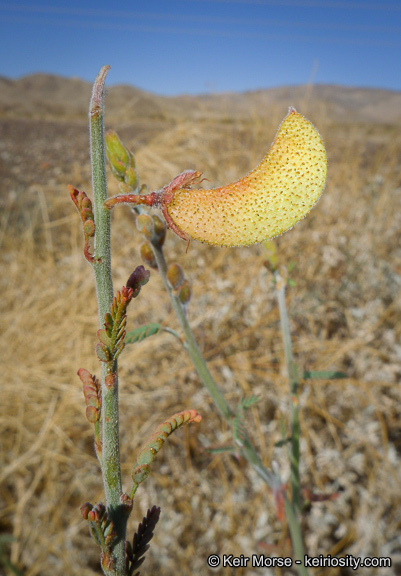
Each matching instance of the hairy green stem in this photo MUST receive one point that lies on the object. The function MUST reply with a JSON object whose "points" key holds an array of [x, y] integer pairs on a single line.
{"points": [[102, 266], [296, 536], [292, 509], [248, 450], [190, 344], [104, 288], [294, 385], [192, 348]]}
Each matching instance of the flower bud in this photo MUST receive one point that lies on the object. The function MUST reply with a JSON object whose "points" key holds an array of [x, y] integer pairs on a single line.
{"points": [[145, 225], [122, 162], [117, 154], [160, 231], [131, 177], [85, 509], [185, 293], [138, 278], [147, 255], [175, 276], [93, 515]]}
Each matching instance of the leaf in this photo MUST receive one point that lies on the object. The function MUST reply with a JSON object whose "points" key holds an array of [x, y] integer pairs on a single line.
{"points": [[249, 401], [142, 537], [142, 332], [238, 429], [102, 352], [104, 338], [221, 449], [291, 265], [110, 343], [280, 443], [324, 375], [149, 450]]}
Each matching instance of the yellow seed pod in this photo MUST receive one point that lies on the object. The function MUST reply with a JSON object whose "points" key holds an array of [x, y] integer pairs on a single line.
{"points": [[267, 202]]}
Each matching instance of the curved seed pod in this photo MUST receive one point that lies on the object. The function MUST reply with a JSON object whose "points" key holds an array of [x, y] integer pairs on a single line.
{"points": [[265, 203], [148, 452]]}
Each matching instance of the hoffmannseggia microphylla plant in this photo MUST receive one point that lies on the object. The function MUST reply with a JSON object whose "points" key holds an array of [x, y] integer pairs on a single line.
{"points": [[265, 203], [108, 522]]}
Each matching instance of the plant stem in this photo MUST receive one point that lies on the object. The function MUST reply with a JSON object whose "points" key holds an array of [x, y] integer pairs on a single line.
{"points": [[111, 470], [294, 385], [292, 509], [190, 345], [102, 267], [248, 450], [296, 536]]}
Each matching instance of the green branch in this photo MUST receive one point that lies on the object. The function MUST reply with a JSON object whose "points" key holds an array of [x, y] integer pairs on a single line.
{"points": [[111, 470], [293, 507], [247, 449]]}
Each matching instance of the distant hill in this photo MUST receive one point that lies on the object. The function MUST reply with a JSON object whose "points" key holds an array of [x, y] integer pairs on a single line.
{"points": [[53, 97]]}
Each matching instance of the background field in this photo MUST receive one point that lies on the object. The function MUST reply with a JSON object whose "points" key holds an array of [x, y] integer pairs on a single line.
{"points": [[345, 314]]}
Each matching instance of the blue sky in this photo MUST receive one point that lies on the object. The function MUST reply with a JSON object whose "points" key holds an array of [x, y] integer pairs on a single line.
{"points": [[200, 46]]}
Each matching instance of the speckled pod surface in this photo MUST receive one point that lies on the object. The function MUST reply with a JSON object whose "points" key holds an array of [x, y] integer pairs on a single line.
{"points": [[265, 203]]}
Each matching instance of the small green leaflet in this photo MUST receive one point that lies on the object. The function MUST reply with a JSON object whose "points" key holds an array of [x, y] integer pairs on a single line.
{"points": [[221, 449], [237, 423], [249, 401], [139, 334], [238, 430], [325, 375], [280, 443], [142, 332]]}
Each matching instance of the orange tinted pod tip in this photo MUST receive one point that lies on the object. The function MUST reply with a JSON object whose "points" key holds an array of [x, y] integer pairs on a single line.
{"points": [[267, 202]]}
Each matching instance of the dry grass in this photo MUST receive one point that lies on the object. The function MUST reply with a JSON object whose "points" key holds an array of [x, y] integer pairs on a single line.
{"points": [[345, 315]]}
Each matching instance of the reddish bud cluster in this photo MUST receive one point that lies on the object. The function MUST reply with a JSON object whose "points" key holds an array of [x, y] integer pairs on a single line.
{"points": [[101, 528], [179, 284], [92, 394], [92, 513], [138, 278], [111, 337], [84, 207]]}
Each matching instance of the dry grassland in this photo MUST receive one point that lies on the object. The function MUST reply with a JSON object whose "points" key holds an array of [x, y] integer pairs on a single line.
{"points": [[345, 314]]}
